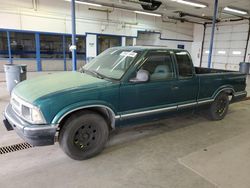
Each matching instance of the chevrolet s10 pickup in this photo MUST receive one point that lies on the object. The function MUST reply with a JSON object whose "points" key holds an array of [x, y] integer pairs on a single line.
{"points": [[120, 86]]}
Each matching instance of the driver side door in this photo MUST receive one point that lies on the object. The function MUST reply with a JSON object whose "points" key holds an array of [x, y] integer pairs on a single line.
{"points": [[155, 95]]}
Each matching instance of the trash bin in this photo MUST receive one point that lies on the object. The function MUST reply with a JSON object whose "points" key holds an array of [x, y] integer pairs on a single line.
{"points": [[14, 74], [244, 67]]}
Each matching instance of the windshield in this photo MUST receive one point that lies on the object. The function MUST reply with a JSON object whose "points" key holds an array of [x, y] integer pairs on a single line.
{"points": [[112, 63]]}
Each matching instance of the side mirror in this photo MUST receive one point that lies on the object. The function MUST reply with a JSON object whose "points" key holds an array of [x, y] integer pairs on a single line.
{"points": [[141, 76]]}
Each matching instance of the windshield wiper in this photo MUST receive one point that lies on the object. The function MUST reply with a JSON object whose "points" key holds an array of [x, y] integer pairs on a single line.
{"points": [[95, 73], [98, 74]]}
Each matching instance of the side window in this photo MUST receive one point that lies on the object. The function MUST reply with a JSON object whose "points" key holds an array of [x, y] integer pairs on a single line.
{"points": [[185, 65], [159, 65]]}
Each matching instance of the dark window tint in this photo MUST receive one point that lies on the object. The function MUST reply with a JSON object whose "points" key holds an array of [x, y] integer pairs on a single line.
{"points": [[51, 46], [129, 41], [105, 42], [80, 46], [3, 45], [159, 65], [185, 65], [22, 45]]}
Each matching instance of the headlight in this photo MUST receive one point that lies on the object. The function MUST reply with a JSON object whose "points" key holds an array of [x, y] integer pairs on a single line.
{"points": [[36, 116], [27, 111], [32, 114]]}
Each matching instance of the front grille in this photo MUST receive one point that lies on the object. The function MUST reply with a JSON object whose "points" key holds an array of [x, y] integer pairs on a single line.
{"points": [[13, 148], [16, 106]]}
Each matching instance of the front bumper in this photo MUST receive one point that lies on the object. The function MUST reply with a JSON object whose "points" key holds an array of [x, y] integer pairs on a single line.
{"points": [[36, 135]]}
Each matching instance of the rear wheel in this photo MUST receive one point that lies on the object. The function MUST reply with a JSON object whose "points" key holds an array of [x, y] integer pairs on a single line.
{"points": [[84, 135], [219, 107]]}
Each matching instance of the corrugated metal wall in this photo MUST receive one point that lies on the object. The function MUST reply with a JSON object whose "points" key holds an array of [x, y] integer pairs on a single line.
{"points": [[229, 45]]}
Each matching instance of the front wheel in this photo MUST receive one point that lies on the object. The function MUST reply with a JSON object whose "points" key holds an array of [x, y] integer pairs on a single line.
{"points": [[84, 135], [219, 107]]}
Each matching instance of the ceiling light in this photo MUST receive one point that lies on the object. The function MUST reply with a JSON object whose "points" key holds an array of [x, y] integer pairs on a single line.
{"points": [[236, 52], [194, 4], [221, 52], [86, 3], [235, 10], [147, 13]]}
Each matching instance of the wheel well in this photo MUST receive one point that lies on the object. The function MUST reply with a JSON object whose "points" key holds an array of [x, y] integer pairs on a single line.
{"points": [[107, 114], [227, 91]]}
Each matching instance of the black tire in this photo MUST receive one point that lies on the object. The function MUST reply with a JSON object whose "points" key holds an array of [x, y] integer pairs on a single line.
{"points": [[83, 135], [219, 107]]}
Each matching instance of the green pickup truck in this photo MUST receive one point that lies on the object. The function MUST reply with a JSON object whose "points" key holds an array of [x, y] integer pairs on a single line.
{"points": [[119, 87]]}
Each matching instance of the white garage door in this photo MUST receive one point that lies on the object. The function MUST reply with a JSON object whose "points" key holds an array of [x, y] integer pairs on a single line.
{"points": [[229, 45]]}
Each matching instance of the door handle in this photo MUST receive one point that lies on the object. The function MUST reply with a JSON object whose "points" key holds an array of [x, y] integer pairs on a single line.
{"points": [[175, 87]]}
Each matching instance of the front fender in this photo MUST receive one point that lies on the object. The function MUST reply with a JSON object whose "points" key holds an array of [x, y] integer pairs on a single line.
{"points": [[83, 105]]}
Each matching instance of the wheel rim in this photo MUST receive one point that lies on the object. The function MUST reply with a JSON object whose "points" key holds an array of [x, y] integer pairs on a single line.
{"points": [[85, 137], [221, 106]]}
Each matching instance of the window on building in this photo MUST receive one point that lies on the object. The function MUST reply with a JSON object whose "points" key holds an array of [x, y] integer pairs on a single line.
{"points": [[3, 45], [129, 41], [80, 46], [105, 42], [51, 46], [22, 45]]}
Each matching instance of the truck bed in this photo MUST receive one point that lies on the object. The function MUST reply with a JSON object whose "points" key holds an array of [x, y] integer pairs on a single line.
{"points": [[213, 80], [201, 70]]}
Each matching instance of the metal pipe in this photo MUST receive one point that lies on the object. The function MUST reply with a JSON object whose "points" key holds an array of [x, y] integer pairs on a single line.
{"points": [[212, 34], [203, 41], [9, 47], [242, 17], [180, 19], [248, 37], [183, 14], [138, 2], [73, 46]]}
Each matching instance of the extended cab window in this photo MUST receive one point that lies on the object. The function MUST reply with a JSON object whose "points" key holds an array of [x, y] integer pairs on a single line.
{"points": [[185, 66], [159, 65]]}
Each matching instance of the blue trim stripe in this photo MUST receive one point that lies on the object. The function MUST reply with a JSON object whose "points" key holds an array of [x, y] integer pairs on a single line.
{"points": [[40, 32], [73, 24], [9, 47], [64, 53], [38, 55]]}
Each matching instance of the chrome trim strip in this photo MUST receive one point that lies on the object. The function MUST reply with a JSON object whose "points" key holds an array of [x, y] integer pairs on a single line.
{"points": [[149, 111], [240, 93], [227, 88], [41, 128], [91, 106], [117, 117], [205, 101], [165, 109], [187, 105]]}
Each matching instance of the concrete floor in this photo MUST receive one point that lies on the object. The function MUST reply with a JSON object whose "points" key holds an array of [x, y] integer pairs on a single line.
{"points": [[187, 151]]}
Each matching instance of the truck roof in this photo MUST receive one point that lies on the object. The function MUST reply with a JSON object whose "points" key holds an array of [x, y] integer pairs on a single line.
{"points": [[147, 48]]}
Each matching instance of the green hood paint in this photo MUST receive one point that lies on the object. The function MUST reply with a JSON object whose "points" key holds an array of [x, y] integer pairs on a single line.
{"points": [[31, 90]]}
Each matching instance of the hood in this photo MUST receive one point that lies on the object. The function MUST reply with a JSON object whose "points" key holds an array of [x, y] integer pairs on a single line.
{"points": [[31, 90]]}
